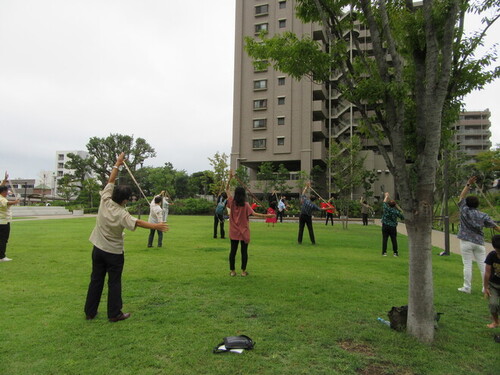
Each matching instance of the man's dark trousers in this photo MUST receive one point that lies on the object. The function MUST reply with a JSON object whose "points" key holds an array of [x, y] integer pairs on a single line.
{"points": [[102, 263], [306, 220]]}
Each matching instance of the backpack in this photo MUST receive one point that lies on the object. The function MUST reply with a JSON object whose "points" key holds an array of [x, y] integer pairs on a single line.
{"points": [[234, 342], [219, 210]]}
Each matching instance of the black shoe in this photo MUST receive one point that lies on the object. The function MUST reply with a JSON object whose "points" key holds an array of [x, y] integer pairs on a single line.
{"points": [[122, 316], [90, 317]]}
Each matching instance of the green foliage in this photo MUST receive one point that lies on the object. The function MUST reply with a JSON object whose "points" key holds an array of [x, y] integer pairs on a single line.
{"points": [[66, 188], [192, 206], [266, 177], [346, 166], [288, 53], [282, 176], [103, 153], [219, 163]]}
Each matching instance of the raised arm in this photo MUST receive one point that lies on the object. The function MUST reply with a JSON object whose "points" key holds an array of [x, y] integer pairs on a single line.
{"points": [[228, 184], [163, 227], [5, 179], [114, 171], [466, 188], [387, 197]]}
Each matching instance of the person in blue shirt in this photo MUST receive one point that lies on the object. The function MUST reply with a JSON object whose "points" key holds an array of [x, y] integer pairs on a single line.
{"points": [[391, 213], [307, 208], [470, 233]]}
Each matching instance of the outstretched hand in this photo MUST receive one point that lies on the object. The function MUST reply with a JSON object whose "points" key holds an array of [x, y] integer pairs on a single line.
{"points": [[120, 159], [162, 227], [472, 180]]}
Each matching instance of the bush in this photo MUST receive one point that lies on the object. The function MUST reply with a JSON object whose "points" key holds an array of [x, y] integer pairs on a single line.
{"points": [[192, 206]]}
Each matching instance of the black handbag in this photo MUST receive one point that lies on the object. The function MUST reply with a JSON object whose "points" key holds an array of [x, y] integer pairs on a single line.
{"points": [[234, 342]]}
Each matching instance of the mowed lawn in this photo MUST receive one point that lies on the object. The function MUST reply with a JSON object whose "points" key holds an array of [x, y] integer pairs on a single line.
{"points": [[310, 309]]}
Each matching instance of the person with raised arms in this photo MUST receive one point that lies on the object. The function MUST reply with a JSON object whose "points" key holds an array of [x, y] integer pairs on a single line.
{"points": [[107, 253], [239, 225], [5, 218]]}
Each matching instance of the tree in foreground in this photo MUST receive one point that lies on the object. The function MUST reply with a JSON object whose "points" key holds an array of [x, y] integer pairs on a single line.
{"points": [[406, 91]]}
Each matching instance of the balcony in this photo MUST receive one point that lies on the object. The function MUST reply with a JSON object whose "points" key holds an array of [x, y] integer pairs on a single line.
{"points": [[319, 110], [318, 151], [319, 91], [319, 129]]}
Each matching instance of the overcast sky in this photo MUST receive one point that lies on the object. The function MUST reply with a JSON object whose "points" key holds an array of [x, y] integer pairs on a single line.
{"points": [[156, 69]]}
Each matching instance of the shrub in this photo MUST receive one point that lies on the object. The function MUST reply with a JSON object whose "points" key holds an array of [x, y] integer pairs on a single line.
{"points": [[192, 206]]}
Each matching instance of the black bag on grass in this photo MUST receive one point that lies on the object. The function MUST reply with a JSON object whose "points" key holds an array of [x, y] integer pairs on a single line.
{"points": [[235, 342]]}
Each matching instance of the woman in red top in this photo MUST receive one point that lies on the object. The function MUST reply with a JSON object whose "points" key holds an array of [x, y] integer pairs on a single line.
{"points": [[271, 211], [239, 228]]}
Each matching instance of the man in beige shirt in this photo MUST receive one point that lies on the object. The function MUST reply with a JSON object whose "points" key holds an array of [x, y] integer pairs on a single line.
{"points": [[5, 218], [107, 254]]}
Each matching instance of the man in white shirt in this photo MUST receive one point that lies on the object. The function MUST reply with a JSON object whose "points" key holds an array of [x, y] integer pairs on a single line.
{"points": [[155, 217]]}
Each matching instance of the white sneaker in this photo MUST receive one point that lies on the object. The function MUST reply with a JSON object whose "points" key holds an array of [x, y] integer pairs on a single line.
{"points": [[5, 259], [464, 290]]}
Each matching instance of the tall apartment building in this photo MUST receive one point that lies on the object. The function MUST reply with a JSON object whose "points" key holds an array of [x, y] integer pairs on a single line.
{"points": [[472, 132], [284, 121]]}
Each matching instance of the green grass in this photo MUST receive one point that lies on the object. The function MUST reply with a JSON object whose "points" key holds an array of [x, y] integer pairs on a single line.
{"points": [[310, 309]]}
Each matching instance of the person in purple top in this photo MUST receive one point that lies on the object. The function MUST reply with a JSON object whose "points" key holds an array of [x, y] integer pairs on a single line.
{"points": [[470, 233], [492, 281]]}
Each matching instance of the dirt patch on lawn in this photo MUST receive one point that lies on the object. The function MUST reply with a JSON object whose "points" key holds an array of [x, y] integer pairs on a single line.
{"points": [[356, 347]]}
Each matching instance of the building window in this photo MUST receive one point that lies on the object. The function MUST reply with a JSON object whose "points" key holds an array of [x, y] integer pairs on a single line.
{"points": [[281, 100], [261, 10], [282, 4], [260, 123], [261, 84], [281, 121], [281, 81], [260, 66], [60, 165], [60, 173], [260, 104], [280, 141], [60, 157], [261, 27], [259, 144], [281, 24]]}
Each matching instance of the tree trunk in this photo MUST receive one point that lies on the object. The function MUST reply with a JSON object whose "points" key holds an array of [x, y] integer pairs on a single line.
{"points": [[420, 289]]}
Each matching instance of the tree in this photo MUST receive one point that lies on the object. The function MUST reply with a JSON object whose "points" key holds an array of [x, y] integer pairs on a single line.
{"points": [[81, 168], [266, 178], [67, 188], [200, 182], [347, 171], [220, 173], [103, 151], [488, 165], [282, 176], [89, 193], [407, 95]]}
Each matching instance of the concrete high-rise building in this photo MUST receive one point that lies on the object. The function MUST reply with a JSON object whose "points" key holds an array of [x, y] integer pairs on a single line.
{"points": [[284, 121], [472, 132]]}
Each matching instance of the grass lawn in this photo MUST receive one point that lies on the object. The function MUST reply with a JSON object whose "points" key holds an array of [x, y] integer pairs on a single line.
{"points": [[310, 309]]}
